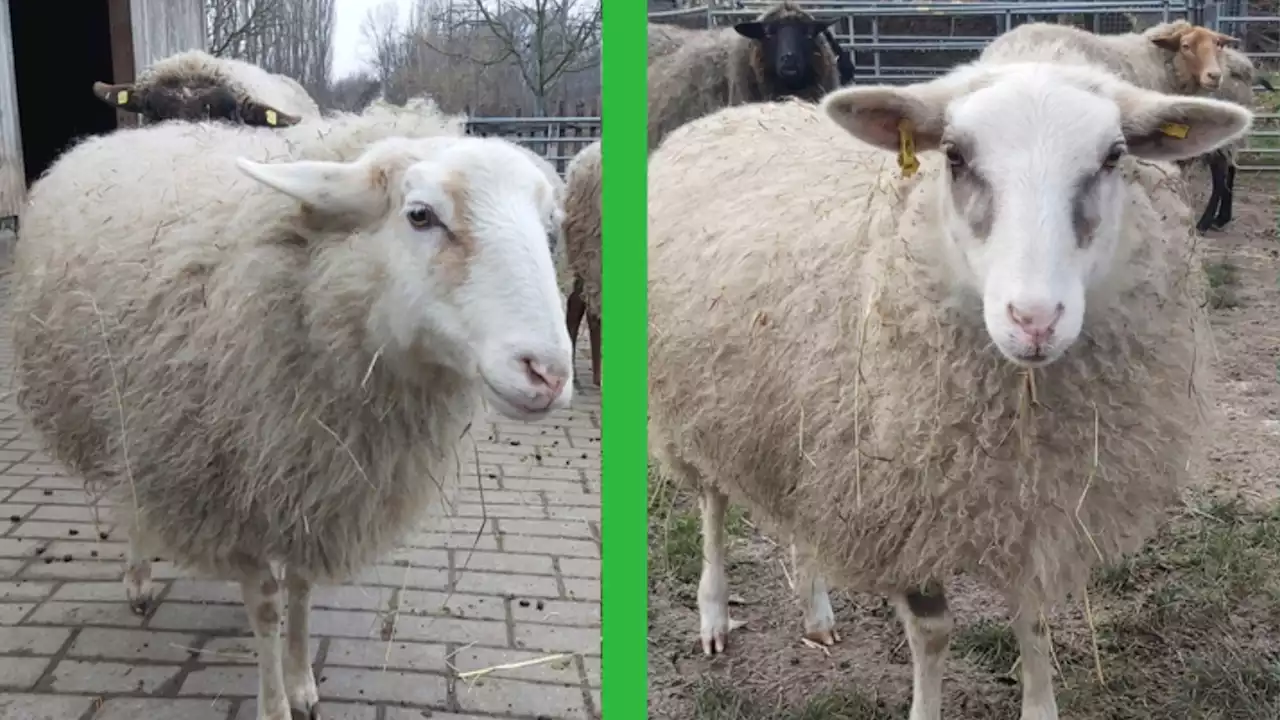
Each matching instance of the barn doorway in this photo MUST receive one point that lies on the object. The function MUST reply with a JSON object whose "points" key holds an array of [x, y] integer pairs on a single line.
{"points": [[57, 56]]}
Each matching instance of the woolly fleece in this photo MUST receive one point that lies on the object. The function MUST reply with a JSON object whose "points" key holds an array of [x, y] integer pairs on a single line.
{"points": [[807, 357], [193, 343], [583, 231]]}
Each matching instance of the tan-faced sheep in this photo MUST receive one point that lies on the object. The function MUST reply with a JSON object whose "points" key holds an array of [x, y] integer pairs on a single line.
{"points": [[582, 247], [780, 54], [991, 367], [268, 347], [1174, 57], [1238, 80], [195, 85]]}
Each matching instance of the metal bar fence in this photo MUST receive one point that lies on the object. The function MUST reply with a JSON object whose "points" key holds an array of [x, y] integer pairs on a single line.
{"points": [[557, 139], [901, 41]]}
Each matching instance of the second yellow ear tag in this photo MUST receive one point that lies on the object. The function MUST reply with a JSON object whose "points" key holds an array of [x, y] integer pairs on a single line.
{"points": [[122, 97], [907, 149], [1176, 130], [271, 117]]}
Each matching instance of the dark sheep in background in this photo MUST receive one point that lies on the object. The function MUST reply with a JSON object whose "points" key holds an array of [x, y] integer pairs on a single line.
{"points": [[774, 56], [195, 86]]}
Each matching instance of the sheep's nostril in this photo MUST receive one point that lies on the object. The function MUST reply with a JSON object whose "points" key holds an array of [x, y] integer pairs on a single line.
{"points": [[545, 381]]}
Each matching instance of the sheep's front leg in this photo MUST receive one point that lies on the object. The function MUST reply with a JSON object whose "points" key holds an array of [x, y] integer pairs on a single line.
{"points": [[138, 587], [1038, 702], [262, 601], [927, 622], [811, 587], [713, 587], [299, 680]]}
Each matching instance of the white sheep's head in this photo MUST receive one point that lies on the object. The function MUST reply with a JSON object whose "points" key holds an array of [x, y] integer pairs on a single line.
{"points": [[457, 228], [1034, 206]]}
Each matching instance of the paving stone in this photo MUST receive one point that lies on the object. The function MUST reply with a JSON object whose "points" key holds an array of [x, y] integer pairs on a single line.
{"points": [[163, 709]]}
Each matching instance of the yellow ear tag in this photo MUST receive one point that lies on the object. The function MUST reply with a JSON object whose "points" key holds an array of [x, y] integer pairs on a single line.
{"points": [[122, 97], [1176, 130], [271, 117], [907, 149]]}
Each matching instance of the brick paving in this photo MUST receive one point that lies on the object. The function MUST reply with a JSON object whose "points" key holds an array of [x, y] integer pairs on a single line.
{"points": [[389, 646]]}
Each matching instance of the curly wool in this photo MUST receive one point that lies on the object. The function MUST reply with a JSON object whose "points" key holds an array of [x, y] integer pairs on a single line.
{"points": [[194, 344], [718, 68], [1130, 56], [666, 39], [582, 223], [812, 361], [196, 68]]}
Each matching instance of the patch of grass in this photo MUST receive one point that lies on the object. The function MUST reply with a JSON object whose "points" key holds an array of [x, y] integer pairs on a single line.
{"points": [[1223, 278], [1187, 628], [675, 529], [718, 700], [989, 644]]}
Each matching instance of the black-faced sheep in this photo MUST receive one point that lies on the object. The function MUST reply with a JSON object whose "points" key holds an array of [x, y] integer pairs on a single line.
{"points": [[780, 54], [267, 348], [990, 367], [194, 85]]}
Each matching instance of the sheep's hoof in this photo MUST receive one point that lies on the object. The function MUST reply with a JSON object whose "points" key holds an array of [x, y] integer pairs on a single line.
{"points": [[823, 637], [312, 714], [716, 641], [141, 606]]}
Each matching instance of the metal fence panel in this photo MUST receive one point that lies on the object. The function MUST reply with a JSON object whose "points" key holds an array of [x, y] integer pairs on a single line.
{"points": [[557, 139], [899, 41]]}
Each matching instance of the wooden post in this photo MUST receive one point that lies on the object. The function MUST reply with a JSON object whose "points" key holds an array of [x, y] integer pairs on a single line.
{"points": [[122, 69]]}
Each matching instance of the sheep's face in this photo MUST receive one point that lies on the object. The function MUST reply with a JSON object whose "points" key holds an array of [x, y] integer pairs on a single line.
{"points": [[788, 48], [1197, 51], [1031, 196], [456, 231]]}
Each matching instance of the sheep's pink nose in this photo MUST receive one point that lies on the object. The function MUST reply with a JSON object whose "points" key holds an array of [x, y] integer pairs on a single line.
{"points": [[547, 383], [1212, 77], [1036, 320]]}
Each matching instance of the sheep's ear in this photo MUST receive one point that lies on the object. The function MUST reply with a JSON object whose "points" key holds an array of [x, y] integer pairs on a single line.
{"points": [[329, 187], [816, 27], [875, 114], [1169, 35], [1172, 127], [1225, 40], [259, 114], [121, 97], [750, 30]]}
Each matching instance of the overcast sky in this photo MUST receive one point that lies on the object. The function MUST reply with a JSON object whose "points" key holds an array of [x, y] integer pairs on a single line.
{"points": [[350, 53]]}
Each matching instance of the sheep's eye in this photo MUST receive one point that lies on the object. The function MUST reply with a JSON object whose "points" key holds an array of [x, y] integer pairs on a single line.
{"points": [[1113, 157], [954, 157], [423, 218]]}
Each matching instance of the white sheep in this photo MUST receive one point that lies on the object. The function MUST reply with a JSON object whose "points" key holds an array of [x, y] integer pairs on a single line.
{"points": [[990, 367], [583, 234], [267, 347], [195, 85]]}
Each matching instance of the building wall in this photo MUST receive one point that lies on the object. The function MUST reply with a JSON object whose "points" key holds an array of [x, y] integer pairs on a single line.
{"points": [[13, 184]]}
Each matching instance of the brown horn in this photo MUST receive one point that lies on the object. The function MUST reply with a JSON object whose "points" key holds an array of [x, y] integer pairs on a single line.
{"points": [[121, 97], [255, 113]]}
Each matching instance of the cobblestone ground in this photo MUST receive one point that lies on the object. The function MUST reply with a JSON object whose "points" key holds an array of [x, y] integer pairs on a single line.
{"points": [[515, 579]]}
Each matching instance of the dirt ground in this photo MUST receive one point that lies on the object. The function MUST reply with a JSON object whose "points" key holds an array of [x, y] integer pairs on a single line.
{"points": [[1189, 629]]}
